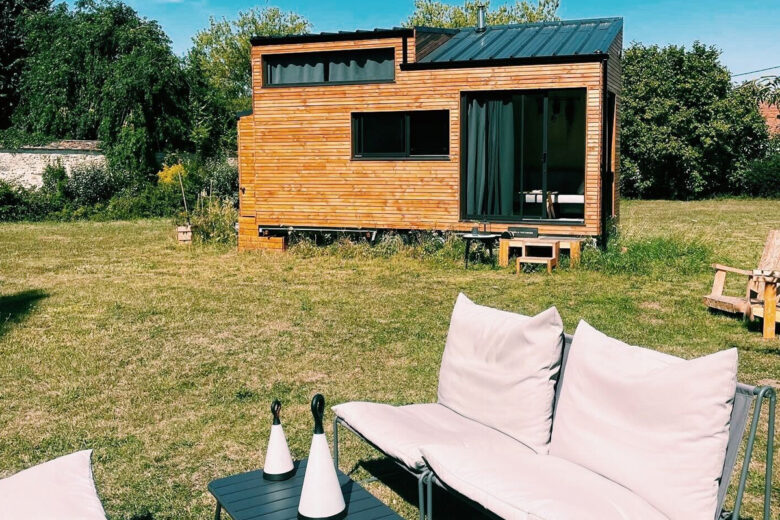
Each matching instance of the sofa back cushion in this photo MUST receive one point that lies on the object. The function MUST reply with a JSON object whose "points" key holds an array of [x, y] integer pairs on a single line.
{"points": [[653, 423], [499, 368]]}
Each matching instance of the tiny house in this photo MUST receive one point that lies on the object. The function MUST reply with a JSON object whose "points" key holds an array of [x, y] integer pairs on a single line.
{"points": [[435, 129]]}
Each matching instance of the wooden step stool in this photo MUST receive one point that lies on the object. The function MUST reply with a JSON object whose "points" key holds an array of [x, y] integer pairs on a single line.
{"points": [[539, 252]]}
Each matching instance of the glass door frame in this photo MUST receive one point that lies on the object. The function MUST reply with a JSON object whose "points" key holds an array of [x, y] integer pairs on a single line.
{"points": [[465, 95]]}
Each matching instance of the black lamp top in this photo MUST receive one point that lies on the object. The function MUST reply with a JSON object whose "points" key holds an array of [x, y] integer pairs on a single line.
{"points": [[318, 411], [276, 407]]}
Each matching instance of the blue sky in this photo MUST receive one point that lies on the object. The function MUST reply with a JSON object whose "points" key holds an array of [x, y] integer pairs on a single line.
{"points": [[746, 32]]}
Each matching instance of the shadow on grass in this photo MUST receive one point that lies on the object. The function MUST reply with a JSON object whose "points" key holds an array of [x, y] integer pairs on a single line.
{"points": [[14, 308], [445, 505]]}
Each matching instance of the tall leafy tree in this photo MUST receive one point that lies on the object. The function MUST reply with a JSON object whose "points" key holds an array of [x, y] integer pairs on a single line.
{"points": [[219, 72], [686, 131], [766, 89], [12, 52], [433, 13], [100, 71]]}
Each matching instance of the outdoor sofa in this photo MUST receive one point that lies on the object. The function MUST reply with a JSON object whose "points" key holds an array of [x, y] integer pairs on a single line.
{"points": [[532, 423], [60, 489]]}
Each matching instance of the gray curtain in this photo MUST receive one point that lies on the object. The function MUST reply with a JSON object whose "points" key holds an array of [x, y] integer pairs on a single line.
{"points": [[297, 69], [490, 157], [361, 67]]}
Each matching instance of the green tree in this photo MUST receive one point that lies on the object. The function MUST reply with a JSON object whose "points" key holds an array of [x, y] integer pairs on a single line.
{"points": [[766, 89], [12, 52], [432, 13], [222, 51], [219, 73], [100, 71], [686, 131]]}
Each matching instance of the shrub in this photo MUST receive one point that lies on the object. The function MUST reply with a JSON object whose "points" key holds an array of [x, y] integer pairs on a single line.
{"points": [[151, 201], [90, 184], [171, 174], [19, 203], [222, 179], [54, 178], [649, 256], [214, 221], [762, 177]]}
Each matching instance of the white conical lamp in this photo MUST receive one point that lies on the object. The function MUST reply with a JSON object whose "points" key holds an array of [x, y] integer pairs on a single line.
{"points": [[321, 496], [278, 462]]}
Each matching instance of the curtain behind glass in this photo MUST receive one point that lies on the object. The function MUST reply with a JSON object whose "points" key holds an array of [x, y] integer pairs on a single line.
{"points": [[297, 69], [490, 157], [361, 66]]}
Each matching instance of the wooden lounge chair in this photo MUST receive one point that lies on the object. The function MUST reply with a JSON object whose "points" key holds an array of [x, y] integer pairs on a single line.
{"points": [[760, 300]]}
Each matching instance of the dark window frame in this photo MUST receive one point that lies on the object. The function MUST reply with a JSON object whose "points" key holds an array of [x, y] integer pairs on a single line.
{"points": [[406, 155], [267, 58], [505, 219]]}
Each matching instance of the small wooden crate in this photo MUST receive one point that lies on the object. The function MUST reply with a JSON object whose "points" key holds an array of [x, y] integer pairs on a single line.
{"points": [[184, 234], [275, 243]]}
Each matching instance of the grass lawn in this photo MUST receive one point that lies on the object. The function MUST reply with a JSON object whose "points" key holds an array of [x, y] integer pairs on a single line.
{"points": [[164, 359]]}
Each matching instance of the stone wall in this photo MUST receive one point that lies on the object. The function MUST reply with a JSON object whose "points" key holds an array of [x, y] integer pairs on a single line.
{"points": [[25, 166]]}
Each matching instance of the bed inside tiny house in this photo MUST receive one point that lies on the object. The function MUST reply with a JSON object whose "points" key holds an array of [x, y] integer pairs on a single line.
{"points": [[438, 129]]}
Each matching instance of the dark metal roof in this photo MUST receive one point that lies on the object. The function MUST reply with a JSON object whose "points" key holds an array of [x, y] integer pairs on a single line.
{"points": [[533, 40]]}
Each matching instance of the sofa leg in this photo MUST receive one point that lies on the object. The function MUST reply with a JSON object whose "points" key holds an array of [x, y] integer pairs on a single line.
{"points": [[421, 494], [770, 448], [336, 442], [429, 501]]}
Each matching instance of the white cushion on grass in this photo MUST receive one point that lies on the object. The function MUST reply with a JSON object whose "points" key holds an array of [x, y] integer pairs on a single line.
{"points": [[499, 368], [399, 431], [61, 489], [520, 485], [651, 422]]}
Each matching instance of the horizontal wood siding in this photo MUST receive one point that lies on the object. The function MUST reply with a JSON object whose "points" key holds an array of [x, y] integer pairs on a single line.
{"points": [[615, 84], [296, 166]]}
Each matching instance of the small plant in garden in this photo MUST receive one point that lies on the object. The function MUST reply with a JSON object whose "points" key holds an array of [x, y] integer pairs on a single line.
{"points": [[170, 174], [214, 220]]}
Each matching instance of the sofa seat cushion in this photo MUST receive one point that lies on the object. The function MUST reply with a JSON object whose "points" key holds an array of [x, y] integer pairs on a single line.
{"points": [[61, 489], [518, 485], [399, 431], [654, 423], [499, 368]]}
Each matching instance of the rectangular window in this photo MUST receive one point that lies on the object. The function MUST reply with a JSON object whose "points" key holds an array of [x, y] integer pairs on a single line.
{"points": [[324, 68], [417, 134]]}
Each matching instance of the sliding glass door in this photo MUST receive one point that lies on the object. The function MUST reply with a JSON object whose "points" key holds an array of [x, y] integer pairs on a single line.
{"points": [[524, 155]]}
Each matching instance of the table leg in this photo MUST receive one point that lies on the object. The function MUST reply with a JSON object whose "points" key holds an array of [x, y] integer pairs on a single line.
{"points": [[575, 253], [770, 309], [490, 250], [503, 252], [218, 512], [466, 256]]}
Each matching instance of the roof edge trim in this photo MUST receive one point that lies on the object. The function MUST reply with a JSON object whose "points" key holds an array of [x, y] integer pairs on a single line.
{"points": [[332, 37], [529, 60]]}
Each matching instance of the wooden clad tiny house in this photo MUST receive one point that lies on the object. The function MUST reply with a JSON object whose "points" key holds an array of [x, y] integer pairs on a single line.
{"points": [[435, 129]]}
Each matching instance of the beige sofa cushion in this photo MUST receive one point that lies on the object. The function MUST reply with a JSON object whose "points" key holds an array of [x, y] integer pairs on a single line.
{"points": [[399, 431], [61, 489], [520, 485], [651, 422], [499, 368]]}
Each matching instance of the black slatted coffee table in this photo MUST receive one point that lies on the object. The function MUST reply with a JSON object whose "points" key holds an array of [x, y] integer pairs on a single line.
{"points": [[248, 496]]}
